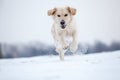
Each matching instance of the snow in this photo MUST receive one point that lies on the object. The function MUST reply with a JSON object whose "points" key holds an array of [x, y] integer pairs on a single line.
{"points": [[103, 66]]}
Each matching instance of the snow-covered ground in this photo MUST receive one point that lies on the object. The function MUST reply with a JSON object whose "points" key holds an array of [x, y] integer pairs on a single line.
{"points": [[103, 66]]}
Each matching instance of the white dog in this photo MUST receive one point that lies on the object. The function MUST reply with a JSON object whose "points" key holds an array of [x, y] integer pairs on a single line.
{"points": [[64, 26]]}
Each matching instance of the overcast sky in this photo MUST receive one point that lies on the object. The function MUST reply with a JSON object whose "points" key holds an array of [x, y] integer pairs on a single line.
{"points": [[26, 20]]}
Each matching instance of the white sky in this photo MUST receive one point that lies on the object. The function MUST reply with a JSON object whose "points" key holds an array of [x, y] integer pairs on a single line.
{"points": [[27, 20]]}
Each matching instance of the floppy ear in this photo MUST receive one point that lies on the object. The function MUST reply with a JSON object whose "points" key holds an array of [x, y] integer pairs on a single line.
{"points": [[51, 12], [71, 10]]}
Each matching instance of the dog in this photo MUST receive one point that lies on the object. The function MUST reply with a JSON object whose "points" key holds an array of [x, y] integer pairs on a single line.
{"points": [[64, 26]]}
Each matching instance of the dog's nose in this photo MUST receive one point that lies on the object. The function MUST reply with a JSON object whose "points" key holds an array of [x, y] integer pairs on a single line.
{"points": [[62, 22]]}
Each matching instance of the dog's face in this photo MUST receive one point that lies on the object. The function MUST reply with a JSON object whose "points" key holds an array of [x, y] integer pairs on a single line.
{"points": [[62, 16]]}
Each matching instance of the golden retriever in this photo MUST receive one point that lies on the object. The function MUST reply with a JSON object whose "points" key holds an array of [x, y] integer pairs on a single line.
{"points": [[64, 26]]}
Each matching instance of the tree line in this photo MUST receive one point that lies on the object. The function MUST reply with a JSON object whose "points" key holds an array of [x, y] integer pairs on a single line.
{"points": [[28, 50]]}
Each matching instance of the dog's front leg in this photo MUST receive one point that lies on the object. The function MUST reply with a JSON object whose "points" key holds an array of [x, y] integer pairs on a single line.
{"points": [[61, 47], [61, 53], [74, 44], [63, 43]]}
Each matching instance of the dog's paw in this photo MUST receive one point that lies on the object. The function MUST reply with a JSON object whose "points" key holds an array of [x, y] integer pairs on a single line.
{"points": [[65, 47]]}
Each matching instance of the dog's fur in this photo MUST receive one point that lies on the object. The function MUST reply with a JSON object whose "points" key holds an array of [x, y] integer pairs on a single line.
{"points": [[62, 30]]}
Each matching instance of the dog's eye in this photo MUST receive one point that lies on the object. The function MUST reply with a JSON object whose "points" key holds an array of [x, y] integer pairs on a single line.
{"points": [[58, 15], [66, 15]]}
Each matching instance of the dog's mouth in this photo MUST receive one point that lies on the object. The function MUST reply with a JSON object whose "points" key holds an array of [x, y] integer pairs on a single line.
{"points": [[63, 26]]}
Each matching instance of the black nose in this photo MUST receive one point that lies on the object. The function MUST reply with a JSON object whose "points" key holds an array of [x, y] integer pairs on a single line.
{"points": [[62, 22]]}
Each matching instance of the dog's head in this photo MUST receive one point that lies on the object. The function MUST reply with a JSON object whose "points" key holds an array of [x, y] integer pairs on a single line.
{"points": [[62, 16]]}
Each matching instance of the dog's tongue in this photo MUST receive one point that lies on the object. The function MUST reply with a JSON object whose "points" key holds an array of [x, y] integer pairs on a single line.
{"points": [[63, 26]]}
